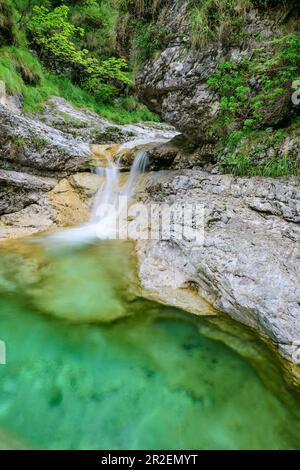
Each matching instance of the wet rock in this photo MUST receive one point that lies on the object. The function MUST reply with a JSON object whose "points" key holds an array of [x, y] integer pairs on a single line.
{"points": [[86, 183], [248, 265]]}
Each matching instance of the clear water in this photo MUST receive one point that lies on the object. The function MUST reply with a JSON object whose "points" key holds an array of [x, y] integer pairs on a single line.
{"points": [[153, 378]]}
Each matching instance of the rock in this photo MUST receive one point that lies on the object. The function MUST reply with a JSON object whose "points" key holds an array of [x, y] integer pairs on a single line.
{"points": [[86, 183], [69, 207], [17, 190], [174, 83], [29, 144], [178, 153], [248, 264], [82, 123]]}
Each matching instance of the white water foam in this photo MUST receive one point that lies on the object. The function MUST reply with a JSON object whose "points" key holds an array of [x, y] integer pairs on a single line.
{"points": [[108, 205]]}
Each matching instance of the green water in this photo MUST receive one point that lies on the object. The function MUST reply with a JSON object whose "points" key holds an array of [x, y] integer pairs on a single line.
{"points": [[148, 380]]}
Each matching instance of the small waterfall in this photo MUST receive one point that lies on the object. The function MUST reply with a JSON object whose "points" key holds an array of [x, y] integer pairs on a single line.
{"points": [[108, 205]]}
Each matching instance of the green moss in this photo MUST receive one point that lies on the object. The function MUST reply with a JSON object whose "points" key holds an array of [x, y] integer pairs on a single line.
{"points": [[52, 85]]}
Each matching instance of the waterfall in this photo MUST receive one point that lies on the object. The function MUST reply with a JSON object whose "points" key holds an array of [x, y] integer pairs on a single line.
{"points": [[109, 202]]}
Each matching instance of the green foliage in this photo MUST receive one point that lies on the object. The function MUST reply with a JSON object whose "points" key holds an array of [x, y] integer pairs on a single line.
{"points": [[54, 85], [61, 32], [18, 67], [249, 88], [212, 20], [242, 165], [56, 38], [12, 79]]}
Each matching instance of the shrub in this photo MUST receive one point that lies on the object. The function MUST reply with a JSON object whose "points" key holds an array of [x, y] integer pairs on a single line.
{"points": [[56, 38]]}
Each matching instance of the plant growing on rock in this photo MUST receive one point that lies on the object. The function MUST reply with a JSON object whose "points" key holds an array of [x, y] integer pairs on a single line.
{"points": [[255, 92]]}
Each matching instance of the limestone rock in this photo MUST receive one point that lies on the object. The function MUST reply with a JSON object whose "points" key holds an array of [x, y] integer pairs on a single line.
{"points": [[18, 189], [28, 144], [248, 265], [82, 123], [174, 83]]}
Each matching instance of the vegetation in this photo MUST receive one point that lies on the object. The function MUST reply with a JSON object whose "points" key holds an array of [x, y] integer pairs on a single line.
{"points": [[250, 87], [45, 52], [253, 92], [86, 51], [214, 20]]}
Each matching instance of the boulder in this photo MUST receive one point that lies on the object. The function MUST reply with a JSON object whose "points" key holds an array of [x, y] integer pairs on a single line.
{"points": [[28, 144]]}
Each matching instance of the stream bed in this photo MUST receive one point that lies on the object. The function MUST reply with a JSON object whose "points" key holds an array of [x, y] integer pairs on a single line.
{"points": [[93, 365]]}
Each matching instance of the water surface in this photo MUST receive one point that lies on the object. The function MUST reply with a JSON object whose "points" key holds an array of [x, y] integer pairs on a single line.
{"points": [[149, 379]]}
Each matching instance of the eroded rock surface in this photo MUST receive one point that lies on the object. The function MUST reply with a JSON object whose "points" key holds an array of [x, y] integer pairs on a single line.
{"points": [[47, 163], [31, 145], [248, 266]]}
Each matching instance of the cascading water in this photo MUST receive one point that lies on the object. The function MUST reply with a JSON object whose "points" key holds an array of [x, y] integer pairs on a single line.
{"points": [[110, 201]]}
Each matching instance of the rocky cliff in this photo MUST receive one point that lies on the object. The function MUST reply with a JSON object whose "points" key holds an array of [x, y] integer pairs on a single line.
{"points": [[248, 264], [231, 89]]}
